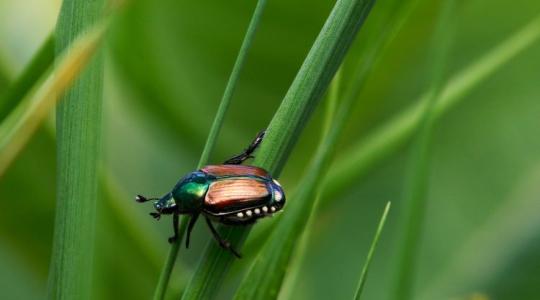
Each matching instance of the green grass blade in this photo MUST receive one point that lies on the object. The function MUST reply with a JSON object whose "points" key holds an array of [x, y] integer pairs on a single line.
{"points": [[233, 80], [78, 152], [389, 137], [415, 199], [365, 268], [331, 105], [380, 35], [304, 94], [23, 121], [165, 275], [39, 64]]}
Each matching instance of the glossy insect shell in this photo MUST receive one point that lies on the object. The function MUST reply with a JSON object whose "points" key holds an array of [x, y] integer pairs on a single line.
{"points": [[230, 193]]}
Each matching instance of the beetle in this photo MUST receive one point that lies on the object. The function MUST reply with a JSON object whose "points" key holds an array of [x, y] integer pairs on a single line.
{"points": [[231, 194]]}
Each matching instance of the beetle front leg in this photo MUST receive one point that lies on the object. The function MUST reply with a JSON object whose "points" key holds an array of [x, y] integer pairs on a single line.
{"points": [[190, 228], [173, 238], [222, 242], [240, 158]]}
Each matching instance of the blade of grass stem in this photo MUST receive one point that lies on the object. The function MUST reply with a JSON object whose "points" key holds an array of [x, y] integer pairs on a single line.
{"points": [[365, 268], [165, 275], [304, 94], [265, 277], [415, 199], [78, 126], [233, 80], [39, 64], [331, 104], [22, 122], [382, 34], [281, 248], [389, 137]]}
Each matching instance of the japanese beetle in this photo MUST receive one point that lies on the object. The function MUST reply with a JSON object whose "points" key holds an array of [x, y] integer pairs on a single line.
{"points": [[230, 193]]}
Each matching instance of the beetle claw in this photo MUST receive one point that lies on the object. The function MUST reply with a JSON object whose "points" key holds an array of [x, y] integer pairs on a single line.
{"points": [[172, 239], [156, 215]]}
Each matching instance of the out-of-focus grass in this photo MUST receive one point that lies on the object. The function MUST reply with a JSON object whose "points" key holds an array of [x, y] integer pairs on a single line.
{"points": [[78, 136], [169, 61]]}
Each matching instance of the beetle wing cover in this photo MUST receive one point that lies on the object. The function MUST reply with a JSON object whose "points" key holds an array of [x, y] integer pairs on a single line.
{"points": [[234, 170], [233, 194]]}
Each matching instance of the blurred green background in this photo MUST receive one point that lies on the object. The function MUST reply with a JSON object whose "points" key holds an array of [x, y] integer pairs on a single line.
{"points": [[166, 68]]}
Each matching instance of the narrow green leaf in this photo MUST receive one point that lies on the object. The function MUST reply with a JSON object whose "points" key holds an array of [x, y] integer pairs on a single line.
{"points": [[417, 181], [231, 84], [265, 278], [165, 275], [304, 94], [380, 35], [293, 269], [389, 137], [78, 151], [22, 122], [365, 268], [39, 64]]}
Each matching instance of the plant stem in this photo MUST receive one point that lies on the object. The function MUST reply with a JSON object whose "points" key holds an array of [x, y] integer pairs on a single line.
{"points": [[365, 268], [78, 152], [301, 99], [416, 187], [388, 138], [39, 64], [165, 275], [231, 84]]}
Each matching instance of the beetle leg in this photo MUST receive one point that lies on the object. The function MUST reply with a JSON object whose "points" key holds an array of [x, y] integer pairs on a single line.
{"points": [[240, 158], [173, 238], [223, 243], [190, 228]]}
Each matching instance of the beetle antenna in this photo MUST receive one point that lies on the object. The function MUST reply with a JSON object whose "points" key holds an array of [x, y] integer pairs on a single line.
{"points": [[142, 199]]}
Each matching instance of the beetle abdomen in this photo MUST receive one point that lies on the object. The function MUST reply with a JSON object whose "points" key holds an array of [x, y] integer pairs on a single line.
{"points": [[234, 170], [227, 195]]}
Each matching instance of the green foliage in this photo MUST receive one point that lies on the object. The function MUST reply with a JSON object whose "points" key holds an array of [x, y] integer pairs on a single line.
{"points": [[41, 61], [365, 268], [415, 199], [78, 149], [306, 90], [167, 65]]}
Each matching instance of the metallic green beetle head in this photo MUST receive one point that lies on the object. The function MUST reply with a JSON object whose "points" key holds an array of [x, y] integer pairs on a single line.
{"points": [[165, 205]]}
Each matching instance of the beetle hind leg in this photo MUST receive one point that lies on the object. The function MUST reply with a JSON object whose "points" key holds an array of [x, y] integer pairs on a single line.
{"points": [[222, 242], [240, 158]]}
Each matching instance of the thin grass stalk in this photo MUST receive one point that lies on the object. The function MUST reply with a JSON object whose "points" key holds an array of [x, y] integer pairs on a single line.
{"points": [[369, 257], [78, 152], [38, 66], [165, 275], [388, 138], [417, 181], [233, 80], [305, 92], [266, 276], [331, 105], [377, 41]]}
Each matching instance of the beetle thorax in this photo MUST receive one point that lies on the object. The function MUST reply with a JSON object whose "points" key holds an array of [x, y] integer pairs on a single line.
{"points": [[189, 193]]}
